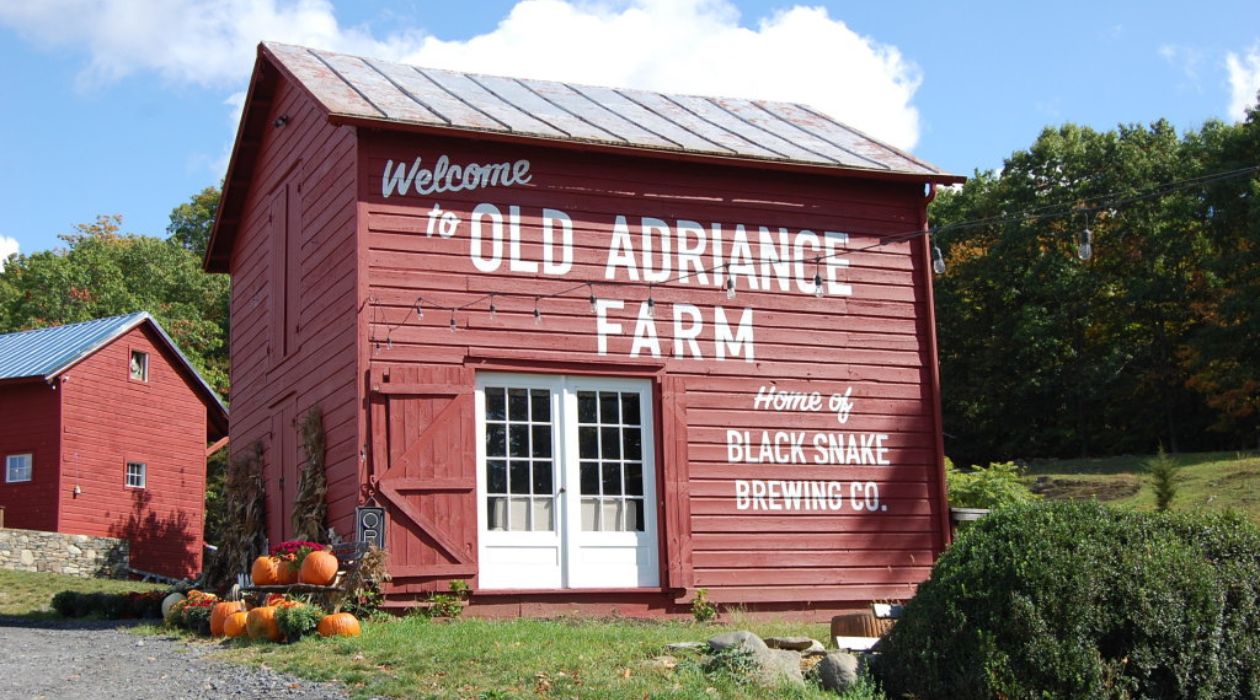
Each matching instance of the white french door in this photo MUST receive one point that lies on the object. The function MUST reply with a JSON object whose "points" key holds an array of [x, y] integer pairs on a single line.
{"points": [[566, 487]]}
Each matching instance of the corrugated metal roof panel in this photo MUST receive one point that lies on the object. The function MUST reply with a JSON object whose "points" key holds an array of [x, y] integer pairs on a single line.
{"points": [[392, 92], [46, 352], [518, 94], [617, 101], [484, 100], [43, 351], [419, 87], [331, 89]]}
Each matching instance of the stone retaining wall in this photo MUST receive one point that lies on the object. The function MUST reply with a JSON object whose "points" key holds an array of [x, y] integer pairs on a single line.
{"points": [[75, 555]]}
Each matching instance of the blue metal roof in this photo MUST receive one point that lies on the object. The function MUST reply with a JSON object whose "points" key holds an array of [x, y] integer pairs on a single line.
{"points": [[43, 352], [47, 352]]}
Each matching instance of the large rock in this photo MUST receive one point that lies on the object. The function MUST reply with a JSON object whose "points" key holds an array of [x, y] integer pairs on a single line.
{"points": [[838, 671], [741, 639], [773, 665], [780, 665]]}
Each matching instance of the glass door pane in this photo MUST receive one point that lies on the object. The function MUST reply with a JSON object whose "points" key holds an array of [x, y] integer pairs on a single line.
{"points": [[610, 450], [520, 470]]}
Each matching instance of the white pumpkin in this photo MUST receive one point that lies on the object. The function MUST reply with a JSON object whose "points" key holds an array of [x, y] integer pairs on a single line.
{"points": [[168, 602]]}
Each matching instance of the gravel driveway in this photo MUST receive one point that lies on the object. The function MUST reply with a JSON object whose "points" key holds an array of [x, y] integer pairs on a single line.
{"points": [[98, 660]]}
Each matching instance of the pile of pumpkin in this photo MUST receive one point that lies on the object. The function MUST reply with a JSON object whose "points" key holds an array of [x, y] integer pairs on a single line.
{"points": [[293, 562], [278, 619]]}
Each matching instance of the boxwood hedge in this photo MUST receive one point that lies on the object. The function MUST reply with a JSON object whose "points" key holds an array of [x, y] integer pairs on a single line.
{"points": [[1076, 600]]}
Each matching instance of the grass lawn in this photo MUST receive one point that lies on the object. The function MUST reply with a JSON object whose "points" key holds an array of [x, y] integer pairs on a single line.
{"points": [[469, 658], [29, 593], [1206, 481]]}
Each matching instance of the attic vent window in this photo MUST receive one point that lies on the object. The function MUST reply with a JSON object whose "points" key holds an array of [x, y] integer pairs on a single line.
{"points": [[136, 475], [139, 366]]}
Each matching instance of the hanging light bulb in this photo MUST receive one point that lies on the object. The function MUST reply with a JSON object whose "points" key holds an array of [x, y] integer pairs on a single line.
{"points": [[818, 281], [591, 288], [1085, 245], [419, 308], [453, 324], [493, 310], [537, 313], [938, 260], [651, 306], [730, 287]]}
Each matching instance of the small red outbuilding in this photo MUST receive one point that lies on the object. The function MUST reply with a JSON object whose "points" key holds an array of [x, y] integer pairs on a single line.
{"points": [[588, 348], [104, 433]]}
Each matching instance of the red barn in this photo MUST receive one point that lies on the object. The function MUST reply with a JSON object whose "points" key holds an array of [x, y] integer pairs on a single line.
{"points": [[589, 348], [104, 432]]}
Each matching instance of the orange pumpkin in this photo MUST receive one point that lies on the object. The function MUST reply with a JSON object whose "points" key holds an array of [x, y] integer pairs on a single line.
{"points": [[338, 625], [264, 571], [261, 624], [236, 624], [220, 613], [319, 568], [286, 572]]}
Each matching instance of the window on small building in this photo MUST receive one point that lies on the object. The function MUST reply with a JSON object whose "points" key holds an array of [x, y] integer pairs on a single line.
{"points": [[139, 366], [17, 468], [135, 475]]}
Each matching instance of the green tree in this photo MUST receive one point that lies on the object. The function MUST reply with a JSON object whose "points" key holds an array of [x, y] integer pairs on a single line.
{"points": [[1163, 470], [1224, 356], [192, 221], [103, 272], [1043, 354]]}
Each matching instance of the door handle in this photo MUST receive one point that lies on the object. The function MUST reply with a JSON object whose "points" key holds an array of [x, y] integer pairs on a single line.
{"points": [[562, 490]]}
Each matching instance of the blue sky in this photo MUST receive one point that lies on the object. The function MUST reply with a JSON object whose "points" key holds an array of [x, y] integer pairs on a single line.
{"points": [[130, 106]]}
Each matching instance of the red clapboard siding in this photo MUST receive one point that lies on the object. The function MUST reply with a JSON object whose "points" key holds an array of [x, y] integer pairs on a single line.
{"points": [[272, 389], [110, 419], [874, 341], [31, 414], [357, 263]]}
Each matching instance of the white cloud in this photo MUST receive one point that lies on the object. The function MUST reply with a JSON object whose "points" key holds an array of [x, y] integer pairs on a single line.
{"points": [[697, 46], [8, 246], [1184, 58], [1244, 80], [204, 42]]}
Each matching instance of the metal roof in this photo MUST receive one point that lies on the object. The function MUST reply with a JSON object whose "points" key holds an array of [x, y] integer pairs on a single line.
{"points": [[45, 353], [365, 89]]}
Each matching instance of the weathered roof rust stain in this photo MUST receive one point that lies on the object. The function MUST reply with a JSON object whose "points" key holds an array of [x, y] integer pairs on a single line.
{"points": [[369, 89]]}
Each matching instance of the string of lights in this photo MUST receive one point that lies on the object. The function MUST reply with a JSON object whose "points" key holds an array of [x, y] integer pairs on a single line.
{"points": [[1086, 208]]}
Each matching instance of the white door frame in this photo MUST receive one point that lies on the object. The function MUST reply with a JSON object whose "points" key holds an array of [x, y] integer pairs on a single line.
{"points": [[582, 559]]}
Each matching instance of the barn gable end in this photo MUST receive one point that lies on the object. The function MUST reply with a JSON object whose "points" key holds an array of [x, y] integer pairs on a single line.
{"points": [[478, 242], [115, 420]]}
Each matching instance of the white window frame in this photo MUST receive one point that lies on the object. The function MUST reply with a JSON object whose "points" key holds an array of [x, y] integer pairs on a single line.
{"points": [[144, 366], [576, 551], [143, 473], [10, 461]]}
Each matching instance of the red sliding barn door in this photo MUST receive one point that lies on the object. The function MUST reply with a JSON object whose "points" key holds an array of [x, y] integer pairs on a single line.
{"points": [[424, 460]]}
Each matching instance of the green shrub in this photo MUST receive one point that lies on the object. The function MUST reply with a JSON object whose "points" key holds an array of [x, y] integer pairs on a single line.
{"points": [[298, 621], [994, 486], [92, 604], [67, 603], [1074, 600], [702, 609], [448, 605], [1163, 470], [196, 618]]}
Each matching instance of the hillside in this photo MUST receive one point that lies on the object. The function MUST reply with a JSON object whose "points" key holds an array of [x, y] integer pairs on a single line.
{"points": [[1207, 480]]}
